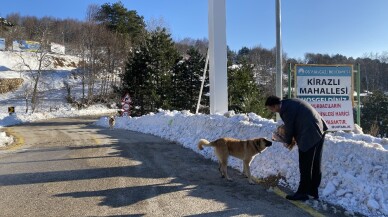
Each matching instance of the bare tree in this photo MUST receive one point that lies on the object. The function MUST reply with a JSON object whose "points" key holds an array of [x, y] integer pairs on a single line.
{"points": [[103, 55], [40, 55], [26, 94], [153, 24]]}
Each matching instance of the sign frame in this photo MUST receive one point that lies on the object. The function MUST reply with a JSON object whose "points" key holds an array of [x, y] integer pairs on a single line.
{"points": [[329, 89]]}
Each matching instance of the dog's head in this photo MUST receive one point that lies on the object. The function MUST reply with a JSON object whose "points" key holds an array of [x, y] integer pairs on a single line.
{"points": [[280, 134], [281, 130], [261, 143]]}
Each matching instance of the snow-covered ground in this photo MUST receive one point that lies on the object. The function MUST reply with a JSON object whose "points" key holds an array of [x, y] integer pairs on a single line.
{"points": [[355, 171]]}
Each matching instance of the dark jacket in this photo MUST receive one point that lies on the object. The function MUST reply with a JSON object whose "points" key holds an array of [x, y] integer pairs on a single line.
{"points": [[302, 122]]}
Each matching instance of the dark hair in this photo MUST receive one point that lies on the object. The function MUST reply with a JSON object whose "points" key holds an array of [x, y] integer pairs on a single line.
{"points": [[272, 100]]}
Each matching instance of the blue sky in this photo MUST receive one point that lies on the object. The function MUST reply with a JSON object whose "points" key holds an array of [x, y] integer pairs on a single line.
{"points": [[348, 27]]}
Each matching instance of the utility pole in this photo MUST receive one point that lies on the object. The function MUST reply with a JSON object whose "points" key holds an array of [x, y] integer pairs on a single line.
{"points": [[279, 85]]}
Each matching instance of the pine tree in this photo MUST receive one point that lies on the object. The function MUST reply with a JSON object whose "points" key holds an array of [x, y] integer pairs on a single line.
{"points": [[164, 56], [148, 73], [135, 79], [187, 80], [120, 20], [243, 92], [374, 114]]}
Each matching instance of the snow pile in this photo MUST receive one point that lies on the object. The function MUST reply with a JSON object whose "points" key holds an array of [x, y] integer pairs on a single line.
{"points": [[355, 174], [5, 140], [19, 118]]}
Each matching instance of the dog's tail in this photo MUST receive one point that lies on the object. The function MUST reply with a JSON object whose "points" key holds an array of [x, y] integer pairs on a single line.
{"points": [[203, 142]]}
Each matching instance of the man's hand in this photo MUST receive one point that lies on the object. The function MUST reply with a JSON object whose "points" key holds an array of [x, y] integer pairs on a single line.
{"points": [[289, 146]]}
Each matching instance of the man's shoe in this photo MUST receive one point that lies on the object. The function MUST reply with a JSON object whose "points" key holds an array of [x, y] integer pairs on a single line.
{"points": [[313, 194], [297, 196], [315, 197]]}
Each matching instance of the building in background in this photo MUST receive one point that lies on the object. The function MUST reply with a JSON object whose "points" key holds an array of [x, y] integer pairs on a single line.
{"points": [[24, 45], [2, 43]]}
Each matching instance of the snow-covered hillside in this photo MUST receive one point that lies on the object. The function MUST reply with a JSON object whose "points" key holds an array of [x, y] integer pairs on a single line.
{"points": [[13, 65], [53, 92]]}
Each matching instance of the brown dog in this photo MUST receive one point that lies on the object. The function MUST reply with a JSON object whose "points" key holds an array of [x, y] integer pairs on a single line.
{"points": [[279, 137], [112, 122], [245, 150]]}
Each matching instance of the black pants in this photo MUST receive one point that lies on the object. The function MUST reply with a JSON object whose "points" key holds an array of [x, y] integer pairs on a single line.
{"points": [[310, 169]]}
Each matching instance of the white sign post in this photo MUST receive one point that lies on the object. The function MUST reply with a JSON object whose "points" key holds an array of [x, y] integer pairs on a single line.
{"points": [[328, 88]]}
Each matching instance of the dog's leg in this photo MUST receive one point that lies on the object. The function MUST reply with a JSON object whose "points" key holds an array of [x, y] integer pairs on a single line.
{"points": [[224, 169], [248, 171], [219, 169], [224, 165], [244, 169]]}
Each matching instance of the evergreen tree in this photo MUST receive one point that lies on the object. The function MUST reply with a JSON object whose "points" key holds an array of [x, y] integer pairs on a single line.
{"points": [[136, 79], [120, 20], [243, 92], [374, 114], [243, 54], [4, 23], [187, 81], [148, 73], [164, 56], [231, 56]]}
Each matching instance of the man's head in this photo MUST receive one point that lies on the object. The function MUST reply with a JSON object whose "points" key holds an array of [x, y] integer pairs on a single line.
{"points": [[273, 103]]}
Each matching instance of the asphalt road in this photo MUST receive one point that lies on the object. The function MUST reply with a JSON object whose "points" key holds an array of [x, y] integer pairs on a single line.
{"points": [[69, 167]]}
